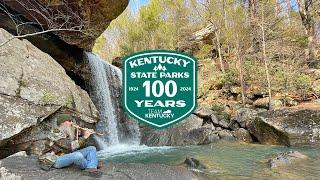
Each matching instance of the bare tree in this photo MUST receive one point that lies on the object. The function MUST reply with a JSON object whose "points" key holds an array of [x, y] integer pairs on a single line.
{"points": [[306, 10], [43, 17], [241, 73], [217, 35], [217, 32], [253, 8], [265, 58], [289, 9]]}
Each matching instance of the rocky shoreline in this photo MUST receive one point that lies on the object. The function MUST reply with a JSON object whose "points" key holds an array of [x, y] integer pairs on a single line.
{"points": [[294, 126], [277, 165], [26, 167]]}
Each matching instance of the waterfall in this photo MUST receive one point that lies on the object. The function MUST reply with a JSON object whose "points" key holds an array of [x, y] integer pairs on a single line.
{"points": [[105, 91]]}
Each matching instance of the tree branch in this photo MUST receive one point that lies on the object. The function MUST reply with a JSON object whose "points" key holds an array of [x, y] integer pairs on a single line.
{"points": [[36, 33]]}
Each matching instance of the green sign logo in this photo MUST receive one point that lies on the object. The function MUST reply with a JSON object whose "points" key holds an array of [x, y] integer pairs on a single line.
{"points": [[159, 87]]}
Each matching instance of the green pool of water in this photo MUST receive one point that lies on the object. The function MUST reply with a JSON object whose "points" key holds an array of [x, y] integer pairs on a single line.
{"points": [[228, 160]]}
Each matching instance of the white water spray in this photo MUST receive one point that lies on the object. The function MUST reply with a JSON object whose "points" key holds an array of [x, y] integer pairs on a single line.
{"points": [[105, 91], [102, 98]]}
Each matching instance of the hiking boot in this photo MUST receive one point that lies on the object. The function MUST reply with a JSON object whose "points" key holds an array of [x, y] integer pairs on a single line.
{"points": [[44, 167], [92, 172], [46, 161], [100, 165]]}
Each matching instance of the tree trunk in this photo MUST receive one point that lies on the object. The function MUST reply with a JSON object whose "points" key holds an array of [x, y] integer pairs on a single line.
{"points": [[226, 26], [240, 60], [305, 11], [288, 2], [219, 51], [253, 19], [265, 59]]}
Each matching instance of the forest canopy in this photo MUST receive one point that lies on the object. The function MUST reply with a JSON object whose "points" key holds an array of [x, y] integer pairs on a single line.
{"points": [[270, 46]]}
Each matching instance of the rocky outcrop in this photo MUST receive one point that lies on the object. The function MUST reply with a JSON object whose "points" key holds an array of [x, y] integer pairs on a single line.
{"points": [[84, 20], [70, 57], [285, 126], [203, 36], [27, 168], [33, 89], [66, 47], [205, 126], [264, 103], [288, 126], [194, 163], [175, 135]]}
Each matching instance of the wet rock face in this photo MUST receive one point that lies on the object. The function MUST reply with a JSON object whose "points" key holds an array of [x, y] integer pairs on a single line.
{"points": [[194, 163], [176, 135], [85, 20], [202, 127], [288, 126], [33, 89]]}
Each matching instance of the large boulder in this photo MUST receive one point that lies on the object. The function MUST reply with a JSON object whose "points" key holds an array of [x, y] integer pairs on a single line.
{"points": [[286, 126], [84, 20], [204, 112], [203, 36], [181, 134], [243, 135], [197, 129], [264, 103], [33, 89]]}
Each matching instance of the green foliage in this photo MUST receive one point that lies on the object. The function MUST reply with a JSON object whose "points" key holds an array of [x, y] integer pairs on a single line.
{"points": [[230, 77], [203, 52], [158, 25], [283, 80], [301, 83], [203, 87], [302, 40], [218, 107], [162, 24], [220, 111], [254, 71], [99, 46]]}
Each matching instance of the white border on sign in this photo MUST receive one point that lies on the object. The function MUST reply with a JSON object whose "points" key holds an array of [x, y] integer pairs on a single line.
{"points": [[194, 88]]}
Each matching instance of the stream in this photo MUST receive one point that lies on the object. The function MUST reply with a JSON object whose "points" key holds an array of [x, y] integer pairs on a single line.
{"points": [[121, 143], [223, 160]]}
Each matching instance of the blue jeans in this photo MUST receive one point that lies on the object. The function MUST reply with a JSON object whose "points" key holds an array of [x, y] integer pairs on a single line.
{"points": [[84, 158]]}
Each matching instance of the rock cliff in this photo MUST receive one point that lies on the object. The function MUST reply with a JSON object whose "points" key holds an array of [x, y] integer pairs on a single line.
{"points": [[33, 89], [84, 20]]}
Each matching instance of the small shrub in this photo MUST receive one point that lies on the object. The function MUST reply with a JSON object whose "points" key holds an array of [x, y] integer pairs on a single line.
{"points": [[230, 77], [217, 107], [204, 52]]}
